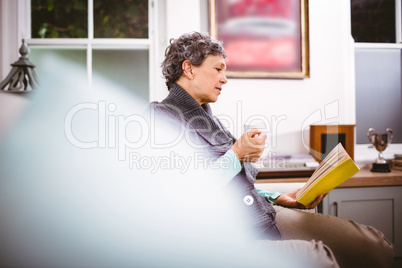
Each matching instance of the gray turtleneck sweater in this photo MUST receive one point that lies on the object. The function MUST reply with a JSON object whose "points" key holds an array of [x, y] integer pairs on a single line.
{"points": [[183, 109]]}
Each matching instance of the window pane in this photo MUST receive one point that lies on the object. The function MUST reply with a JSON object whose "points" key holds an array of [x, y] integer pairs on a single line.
{"points": [[66, 62], [121, 19], [59, 18], [125, 69], [373, 21], [378, 92]]}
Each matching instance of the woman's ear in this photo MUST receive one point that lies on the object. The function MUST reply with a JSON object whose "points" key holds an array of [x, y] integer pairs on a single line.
{"points": [[187, 69]]}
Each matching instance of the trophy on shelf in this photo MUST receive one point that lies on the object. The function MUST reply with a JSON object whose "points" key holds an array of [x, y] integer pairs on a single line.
{"points": [[380, 142]]}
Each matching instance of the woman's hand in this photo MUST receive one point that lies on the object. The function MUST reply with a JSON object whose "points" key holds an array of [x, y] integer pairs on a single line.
{"points": [[250, 146], [289, 200]]}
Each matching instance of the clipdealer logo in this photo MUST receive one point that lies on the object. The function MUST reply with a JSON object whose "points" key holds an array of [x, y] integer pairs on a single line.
{"points": [[112, 130]]}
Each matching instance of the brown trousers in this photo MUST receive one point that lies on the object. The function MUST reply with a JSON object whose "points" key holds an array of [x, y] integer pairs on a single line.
{"points": [[331, 241]]}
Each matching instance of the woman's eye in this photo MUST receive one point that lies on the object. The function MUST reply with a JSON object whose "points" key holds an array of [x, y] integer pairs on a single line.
{"points": [[218, 69]]}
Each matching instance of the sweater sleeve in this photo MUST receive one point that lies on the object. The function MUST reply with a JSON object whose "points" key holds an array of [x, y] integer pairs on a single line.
{"points": [[230, 165], [269, 196]]}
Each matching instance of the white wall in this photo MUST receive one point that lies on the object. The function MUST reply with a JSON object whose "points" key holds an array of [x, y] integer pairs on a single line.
{"points": [[288, 105], [328, 96], [8, 35], [10, 104]]}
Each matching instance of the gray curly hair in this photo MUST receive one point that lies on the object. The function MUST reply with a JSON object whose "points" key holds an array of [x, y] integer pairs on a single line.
{"points": [[194, 47]]}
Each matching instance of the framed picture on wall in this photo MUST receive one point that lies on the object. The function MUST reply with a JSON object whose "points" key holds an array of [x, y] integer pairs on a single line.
{"points": [[262, 38]]}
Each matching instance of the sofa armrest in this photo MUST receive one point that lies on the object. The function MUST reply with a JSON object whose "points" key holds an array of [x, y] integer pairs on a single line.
{"points": [[282, 188]]}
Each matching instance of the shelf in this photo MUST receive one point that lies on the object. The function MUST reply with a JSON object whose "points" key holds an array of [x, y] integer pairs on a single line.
{"points": [[364, 178]]}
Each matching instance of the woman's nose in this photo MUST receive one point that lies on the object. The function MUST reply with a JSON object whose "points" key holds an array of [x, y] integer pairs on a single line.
{"points": [[224, 80]]}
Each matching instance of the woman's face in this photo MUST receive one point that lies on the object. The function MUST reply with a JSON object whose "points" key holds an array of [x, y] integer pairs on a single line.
{"points": [[208, 79]]}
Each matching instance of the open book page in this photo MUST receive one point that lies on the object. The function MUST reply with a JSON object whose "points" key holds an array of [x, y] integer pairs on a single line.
{"points": [[333, 159]]}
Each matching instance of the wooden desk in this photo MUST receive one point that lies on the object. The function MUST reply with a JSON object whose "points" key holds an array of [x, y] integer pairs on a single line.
{"points": [[364, 178], [370, 198]]}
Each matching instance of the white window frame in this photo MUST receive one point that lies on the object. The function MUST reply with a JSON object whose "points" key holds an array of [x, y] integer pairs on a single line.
{"points": [[91, 43], [363, 149]]}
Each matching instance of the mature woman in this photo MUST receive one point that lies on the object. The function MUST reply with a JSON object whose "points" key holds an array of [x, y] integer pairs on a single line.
{"points": [[194, 69]]}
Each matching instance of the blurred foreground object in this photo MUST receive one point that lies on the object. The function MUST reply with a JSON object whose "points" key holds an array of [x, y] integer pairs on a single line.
{"points": [[70, 198]]}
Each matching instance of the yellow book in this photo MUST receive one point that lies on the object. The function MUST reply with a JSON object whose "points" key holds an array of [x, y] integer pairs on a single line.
{"points": [[336, 168]]}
